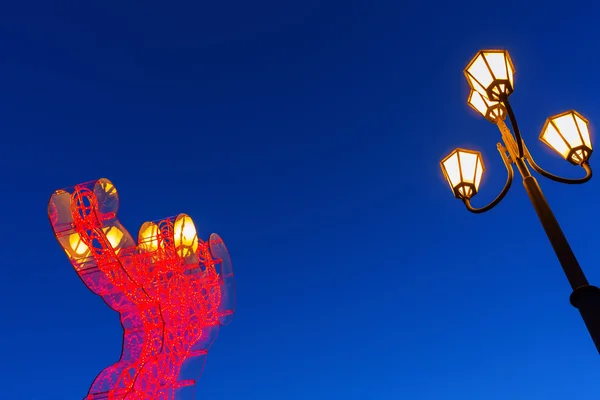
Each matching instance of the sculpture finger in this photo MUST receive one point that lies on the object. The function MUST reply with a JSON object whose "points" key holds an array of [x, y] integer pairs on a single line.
{"points": [[227, 281], [61, 219], [106, 208], [192, 367], [85, 224]]}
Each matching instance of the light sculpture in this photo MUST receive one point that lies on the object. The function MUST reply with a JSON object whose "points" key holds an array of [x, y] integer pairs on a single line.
{"points": [[171, 289]]}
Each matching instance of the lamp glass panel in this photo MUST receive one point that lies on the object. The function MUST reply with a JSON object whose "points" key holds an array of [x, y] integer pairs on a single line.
{"points": [[490, 103], [511, 73], [497, 62], [480, 71], [555, 141], [476, 85], [478, 173], [468, 165], [568, 129], [583, 129], [477, 102], [452, 168]]}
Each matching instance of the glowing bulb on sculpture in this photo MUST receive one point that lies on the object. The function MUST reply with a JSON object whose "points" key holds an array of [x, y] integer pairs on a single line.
{"points": [[114, 236], [185, 236], [148, 237], [77, 246]]}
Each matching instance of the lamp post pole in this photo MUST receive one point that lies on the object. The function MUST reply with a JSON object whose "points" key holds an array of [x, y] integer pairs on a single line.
{"points": [[585, 297], [490, 75]]}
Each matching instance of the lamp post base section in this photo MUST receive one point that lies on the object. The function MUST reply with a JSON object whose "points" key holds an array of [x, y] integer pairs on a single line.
{"points": [[587, 300]]}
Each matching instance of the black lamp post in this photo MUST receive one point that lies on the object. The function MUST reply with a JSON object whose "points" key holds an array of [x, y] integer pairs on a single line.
{"points": [[491, 77]]}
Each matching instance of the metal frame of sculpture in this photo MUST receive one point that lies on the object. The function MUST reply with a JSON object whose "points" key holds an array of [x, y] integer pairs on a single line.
{"points": [[171, 289]]}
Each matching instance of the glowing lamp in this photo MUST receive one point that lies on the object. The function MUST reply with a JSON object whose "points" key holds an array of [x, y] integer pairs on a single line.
{"points": [[463, 170], [76, 248], [114, 236], [491, 74], [148, 237], [491, 110], [569, 136], [77, 244], [185, 236]]}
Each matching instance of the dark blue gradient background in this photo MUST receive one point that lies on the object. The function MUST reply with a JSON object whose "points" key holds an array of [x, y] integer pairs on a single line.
{"points": [[308, 135]]}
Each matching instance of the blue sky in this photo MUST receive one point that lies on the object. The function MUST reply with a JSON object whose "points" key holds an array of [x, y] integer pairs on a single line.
{"points": [[308, 135]]}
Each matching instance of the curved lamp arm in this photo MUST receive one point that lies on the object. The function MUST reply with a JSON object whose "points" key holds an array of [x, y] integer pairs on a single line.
{"points": [[543, 172], [513, 123], [504, 191]]}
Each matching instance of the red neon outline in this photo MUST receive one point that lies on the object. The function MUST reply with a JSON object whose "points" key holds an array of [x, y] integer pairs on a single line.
{"points": [[171, 290]]}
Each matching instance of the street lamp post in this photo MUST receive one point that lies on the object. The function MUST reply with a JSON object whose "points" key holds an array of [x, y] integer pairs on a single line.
{"points": [[491, 77]]}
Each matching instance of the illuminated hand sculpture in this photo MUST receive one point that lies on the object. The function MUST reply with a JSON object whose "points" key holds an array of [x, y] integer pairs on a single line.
{"points": [[171, 289]]}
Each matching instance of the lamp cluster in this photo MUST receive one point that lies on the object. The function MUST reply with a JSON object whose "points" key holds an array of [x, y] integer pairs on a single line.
{"points": [[490, 75]]}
